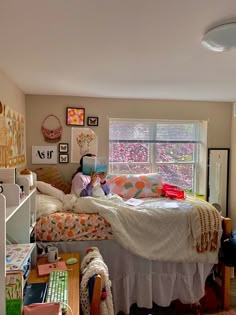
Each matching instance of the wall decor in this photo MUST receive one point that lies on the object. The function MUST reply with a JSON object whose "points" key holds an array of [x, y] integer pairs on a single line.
{"points": [[12, 137], [92, 121], [83, 140], [51, 128], [75, 116], [44, 154], [63, 158], [63, 147], [218, 178]]}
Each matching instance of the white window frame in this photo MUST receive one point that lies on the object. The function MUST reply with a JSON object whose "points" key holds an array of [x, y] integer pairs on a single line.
{"points": [[200, 164]]}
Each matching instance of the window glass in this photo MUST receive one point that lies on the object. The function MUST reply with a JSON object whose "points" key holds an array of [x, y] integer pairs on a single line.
{"points": [[170, 148]]}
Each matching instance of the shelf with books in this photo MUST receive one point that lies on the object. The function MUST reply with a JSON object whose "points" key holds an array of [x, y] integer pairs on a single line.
{"points": [[15, 227]]}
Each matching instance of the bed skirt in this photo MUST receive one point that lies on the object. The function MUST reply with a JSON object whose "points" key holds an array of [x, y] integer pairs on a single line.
{"points": [[141, 281]]}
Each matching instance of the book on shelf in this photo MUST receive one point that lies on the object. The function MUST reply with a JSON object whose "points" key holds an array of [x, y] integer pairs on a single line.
{"points": [[14, 292], [17, 255], [94, 164], [45, 269]]}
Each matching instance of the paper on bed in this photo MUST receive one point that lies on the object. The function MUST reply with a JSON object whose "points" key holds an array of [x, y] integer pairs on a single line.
{"points": [[133, 202]]}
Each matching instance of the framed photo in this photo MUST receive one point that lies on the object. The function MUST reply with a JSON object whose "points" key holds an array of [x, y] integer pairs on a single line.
{"points": [[92, 121], [63, 147], [63, 158], [75, 116]]}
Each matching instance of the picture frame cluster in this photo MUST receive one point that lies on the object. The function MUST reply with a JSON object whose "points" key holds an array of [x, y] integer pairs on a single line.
{"points": [[75, 116], [63, 149]]}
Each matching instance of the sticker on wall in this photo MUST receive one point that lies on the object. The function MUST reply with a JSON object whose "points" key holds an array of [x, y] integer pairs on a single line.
{"points": [[44, 154], [83, 140]]}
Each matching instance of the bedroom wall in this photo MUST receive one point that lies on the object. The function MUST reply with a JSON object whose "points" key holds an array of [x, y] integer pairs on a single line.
{"points": [[218, 115], [232, 177], [11, 95]]}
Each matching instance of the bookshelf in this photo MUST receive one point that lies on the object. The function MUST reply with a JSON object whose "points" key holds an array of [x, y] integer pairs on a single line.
{"points": [[17, 218]]}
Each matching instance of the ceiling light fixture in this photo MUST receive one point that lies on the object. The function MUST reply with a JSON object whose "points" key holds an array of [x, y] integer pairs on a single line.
{"points": [[221, 37]]}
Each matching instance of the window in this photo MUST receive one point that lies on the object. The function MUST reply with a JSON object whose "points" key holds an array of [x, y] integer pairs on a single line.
{"points": [[170, 148]]}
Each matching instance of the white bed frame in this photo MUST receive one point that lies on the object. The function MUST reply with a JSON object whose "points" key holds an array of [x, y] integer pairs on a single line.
{"points": [[141, 281]]}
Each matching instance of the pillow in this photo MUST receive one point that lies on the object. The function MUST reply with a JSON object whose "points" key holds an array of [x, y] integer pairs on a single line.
{"points": [[136, 186], [52, 175], [47, 205], [48, 189]]}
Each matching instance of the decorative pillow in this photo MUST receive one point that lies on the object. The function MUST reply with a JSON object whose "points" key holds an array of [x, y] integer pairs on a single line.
{"points": [[52, 175], [48, 189], [136, 186]]}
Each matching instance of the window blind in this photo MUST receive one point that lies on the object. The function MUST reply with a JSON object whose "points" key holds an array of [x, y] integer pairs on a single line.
{"points": [[153, 131]]}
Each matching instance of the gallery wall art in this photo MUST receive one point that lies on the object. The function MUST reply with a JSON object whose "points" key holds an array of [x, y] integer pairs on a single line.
{"points": [[75, 116], [83, 140], [12, 137], [43, 154]]}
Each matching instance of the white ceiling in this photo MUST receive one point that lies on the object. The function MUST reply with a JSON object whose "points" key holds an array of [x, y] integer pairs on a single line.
{"points": [[117, 48]]}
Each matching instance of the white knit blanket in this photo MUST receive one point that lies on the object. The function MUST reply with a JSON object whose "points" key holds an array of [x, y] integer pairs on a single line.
{"points": [[93, 264], [159, 228]]}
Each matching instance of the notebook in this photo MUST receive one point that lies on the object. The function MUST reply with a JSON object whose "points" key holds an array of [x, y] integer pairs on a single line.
{"points": [[35, 293], [45, 269]]}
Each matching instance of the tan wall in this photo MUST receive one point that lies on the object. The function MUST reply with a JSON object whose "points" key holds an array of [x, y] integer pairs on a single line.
{"points": [[38, 107], [13, 97], [232, 182], [10, 95]]}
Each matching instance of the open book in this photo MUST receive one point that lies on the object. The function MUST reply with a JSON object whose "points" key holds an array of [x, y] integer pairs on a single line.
{"points": [[94, 164]]}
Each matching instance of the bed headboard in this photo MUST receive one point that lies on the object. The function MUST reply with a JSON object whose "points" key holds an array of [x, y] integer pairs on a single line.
{"points": [[52, 175]]}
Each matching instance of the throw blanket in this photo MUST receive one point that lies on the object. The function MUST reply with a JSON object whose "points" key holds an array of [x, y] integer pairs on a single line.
{"points": [[159, 228], [93, 264]]}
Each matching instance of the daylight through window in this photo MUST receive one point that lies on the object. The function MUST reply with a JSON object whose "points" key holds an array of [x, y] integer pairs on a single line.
{"points": [[170, 148]]}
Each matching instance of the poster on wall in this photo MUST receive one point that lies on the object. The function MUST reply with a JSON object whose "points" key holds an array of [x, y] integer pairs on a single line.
{"points": [[83, 141], [12, 137], [44, 154]]}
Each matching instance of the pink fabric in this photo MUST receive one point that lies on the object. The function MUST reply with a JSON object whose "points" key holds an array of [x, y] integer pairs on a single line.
{"points": [[173, 192], [42, 308]]}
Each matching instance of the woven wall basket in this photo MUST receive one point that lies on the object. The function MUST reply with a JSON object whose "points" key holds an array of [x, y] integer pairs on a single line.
{"points": [[51, 135]]}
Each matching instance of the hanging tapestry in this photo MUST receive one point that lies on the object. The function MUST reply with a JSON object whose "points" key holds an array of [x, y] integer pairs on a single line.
{"points": [[12, 137]]}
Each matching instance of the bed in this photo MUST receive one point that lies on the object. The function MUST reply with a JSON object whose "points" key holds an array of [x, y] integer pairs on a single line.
{"points": [[158, 251]]}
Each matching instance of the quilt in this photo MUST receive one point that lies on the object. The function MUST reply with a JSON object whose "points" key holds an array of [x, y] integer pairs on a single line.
{"points": [[159, 228]]}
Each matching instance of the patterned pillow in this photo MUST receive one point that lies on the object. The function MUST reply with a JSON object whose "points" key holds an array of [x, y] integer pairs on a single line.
{"points": [[135, 186]]}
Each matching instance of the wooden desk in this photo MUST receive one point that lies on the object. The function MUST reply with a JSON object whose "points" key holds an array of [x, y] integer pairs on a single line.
{"points": [[73, 280]]}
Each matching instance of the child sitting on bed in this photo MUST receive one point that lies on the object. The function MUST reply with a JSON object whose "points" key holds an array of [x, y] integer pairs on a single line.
{"points": [[84, 185]]}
